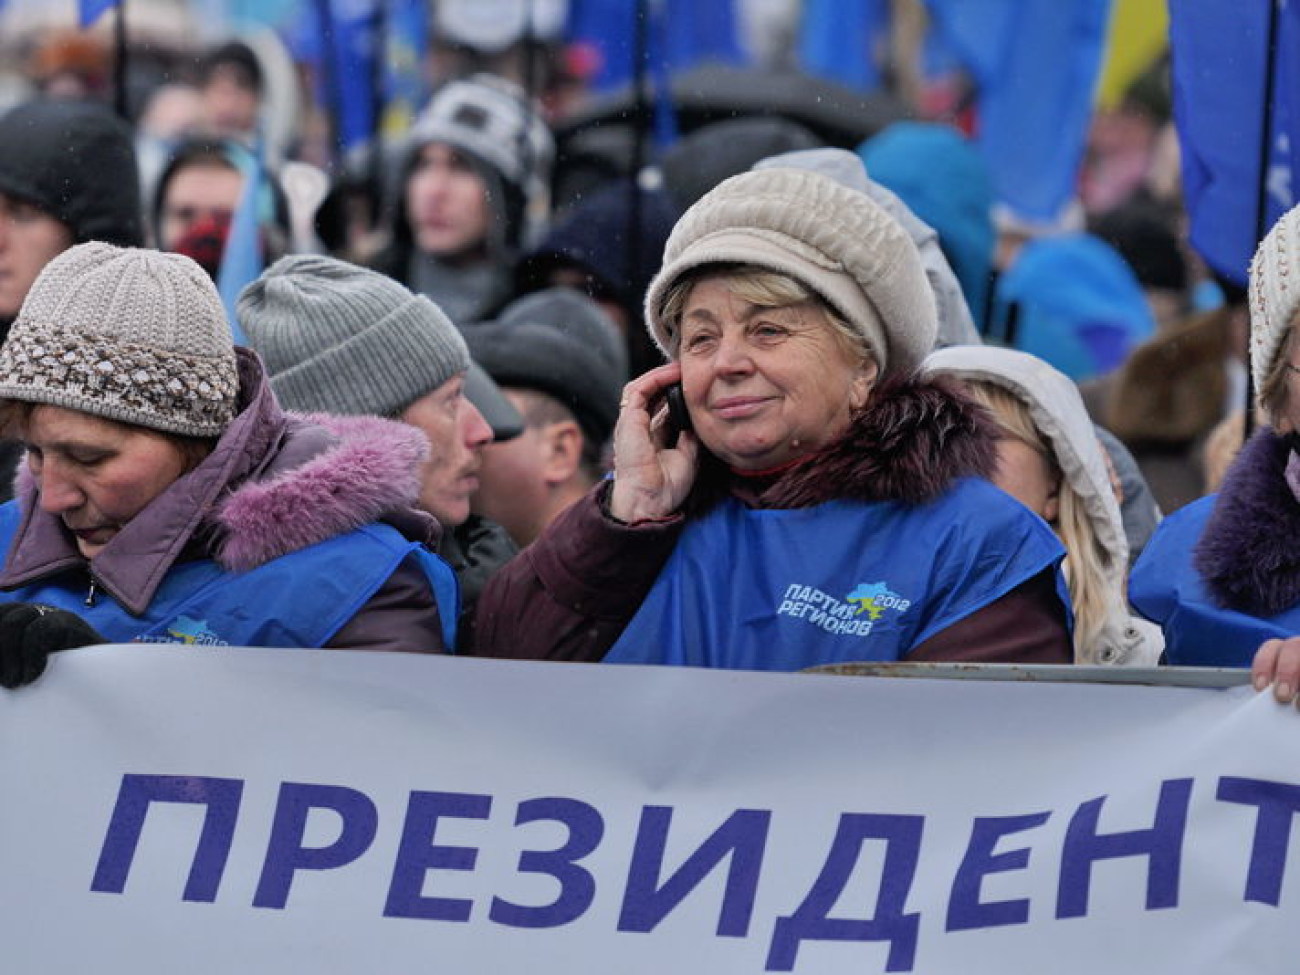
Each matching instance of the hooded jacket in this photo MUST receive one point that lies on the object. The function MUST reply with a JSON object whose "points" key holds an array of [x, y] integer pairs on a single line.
{"points": [[274, 484], [1057, 411], [573, 591]]}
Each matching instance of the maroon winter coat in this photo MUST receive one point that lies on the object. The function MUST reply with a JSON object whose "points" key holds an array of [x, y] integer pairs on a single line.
{"points": [[570, 594]]}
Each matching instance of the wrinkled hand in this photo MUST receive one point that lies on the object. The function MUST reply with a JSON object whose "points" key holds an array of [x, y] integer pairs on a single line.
{"points": [[1277, 663], [651, 476], [30, 632]]}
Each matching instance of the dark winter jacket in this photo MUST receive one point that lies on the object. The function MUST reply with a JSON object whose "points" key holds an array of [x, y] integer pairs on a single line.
{"points": [[571, 593], [274, 483]]}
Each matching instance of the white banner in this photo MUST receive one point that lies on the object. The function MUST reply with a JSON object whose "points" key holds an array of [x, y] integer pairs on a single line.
{"points": [[213, 811]]}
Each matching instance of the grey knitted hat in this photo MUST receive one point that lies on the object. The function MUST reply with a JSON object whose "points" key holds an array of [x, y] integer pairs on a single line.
{"points": [[835, 240], [129, 334], [338, 338]]}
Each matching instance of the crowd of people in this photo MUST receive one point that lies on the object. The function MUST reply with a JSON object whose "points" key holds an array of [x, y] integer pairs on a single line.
{"points": [[764, 402]]}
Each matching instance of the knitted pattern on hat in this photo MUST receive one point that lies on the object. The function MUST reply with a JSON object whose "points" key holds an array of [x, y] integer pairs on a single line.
{"points": [[1274, 293], [835, 240], [128, 334], [338, 338]]}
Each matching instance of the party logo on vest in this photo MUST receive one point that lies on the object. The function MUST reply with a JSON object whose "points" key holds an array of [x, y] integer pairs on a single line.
{"points": [[852, 615], [874, 598], [194, 632]]}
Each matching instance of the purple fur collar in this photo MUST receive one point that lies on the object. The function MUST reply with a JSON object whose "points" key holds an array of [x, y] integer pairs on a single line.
{"points": [[372, 469], [1248, 554], [912, 441]]}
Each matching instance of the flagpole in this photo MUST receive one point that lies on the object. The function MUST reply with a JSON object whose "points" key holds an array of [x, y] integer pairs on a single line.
{"points": [[639, 341], [1265, 151], [120, 99]]}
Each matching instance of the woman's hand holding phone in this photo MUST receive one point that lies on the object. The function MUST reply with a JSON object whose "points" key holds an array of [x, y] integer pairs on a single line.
{"points": [[654, 457]]}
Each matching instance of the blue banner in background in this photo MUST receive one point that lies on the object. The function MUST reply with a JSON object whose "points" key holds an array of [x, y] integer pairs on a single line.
{"points": [[840, 40], [1035, 64]]}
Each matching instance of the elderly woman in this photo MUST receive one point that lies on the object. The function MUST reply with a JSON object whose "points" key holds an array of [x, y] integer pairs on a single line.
{"points": [[1222, 575], [169, 499], [827, 506], [1049, 459]]}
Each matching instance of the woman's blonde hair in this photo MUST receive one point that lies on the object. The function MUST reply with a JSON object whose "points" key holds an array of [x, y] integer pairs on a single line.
{"points": [[1089, 568], [761, 287]]}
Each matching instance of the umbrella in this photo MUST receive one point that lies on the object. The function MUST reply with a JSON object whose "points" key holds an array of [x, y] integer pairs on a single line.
{"points": [[838, 115]]}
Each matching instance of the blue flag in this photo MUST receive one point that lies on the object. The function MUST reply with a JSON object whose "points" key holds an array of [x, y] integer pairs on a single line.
{"points": [[340, 40], [1221, 97], [693, 32], [838, 39], [405, 47], [90, 10], [1035, 65], [241, 259]]}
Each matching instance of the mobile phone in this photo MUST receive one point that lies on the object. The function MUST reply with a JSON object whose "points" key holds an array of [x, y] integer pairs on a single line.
{"points": [[678, 415]]}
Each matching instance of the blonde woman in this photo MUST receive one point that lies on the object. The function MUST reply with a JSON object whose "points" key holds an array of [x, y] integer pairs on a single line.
{"points": [[1049, 459]]}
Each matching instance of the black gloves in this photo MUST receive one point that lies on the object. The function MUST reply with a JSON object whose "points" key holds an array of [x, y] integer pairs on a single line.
{"points": [[30, 632]]}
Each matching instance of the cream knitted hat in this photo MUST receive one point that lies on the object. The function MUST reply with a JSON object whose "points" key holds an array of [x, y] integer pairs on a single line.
{"points": [[835, 240], [1274, 293], [128, 334]]}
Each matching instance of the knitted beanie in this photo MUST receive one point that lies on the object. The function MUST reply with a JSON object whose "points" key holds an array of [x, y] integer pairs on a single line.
{"points": [[76, 162], [490, 118], [835, 240], [338, 338], [133, 335], [1274, 293]]}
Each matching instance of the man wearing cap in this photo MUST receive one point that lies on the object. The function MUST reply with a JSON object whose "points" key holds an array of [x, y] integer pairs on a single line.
{"points": [[473, 177], [67, 175], [340, 339], [560, 360]]}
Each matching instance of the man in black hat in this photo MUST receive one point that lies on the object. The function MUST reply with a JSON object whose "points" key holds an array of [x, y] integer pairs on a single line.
{"points": [[560, 360]]}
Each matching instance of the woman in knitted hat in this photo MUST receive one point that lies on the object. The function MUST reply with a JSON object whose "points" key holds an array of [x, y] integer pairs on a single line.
{"points": [[168, 499], [828, 505], [1222, 575], [1049, 459]]}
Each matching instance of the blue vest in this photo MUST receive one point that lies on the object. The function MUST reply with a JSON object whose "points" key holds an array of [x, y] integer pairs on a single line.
{"points": [[1165, 587], [784, 590], [297, 600]]}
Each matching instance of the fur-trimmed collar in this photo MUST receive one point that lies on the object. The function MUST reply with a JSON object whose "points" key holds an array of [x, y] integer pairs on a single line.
{"points": [[910, 443], [252, 500], [370, 470], [1247, 554]]}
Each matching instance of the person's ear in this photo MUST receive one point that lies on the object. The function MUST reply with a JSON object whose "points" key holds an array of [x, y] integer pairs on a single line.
{"points": [[864, 381], [1052, 506], [562, 444]]}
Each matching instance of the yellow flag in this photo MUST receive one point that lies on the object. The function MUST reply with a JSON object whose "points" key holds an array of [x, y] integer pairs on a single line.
{"points": [[1138, 34]]}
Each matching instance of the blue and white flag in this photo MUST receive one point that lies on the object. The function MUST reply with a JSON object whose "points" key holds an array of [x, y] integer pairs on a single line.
{"points": [[241, 259], [1222, 95], [1035, 63], [89, 11]]}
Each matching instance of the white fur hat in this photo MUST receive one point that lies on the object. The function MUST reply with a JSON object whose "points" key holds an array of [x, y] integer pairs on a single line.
{"points": [[835, 240], [1274, 293]]}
